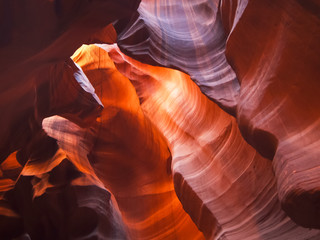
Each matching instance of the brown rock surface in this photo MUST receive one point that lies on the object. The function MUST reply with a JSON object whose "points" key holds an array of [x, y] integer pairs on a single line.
{"points": [[186, 35], [233, 188], [36, 37], [38, 79], [129, 155], [273, 49], [61, 201], [279, 106], [160, 146]]}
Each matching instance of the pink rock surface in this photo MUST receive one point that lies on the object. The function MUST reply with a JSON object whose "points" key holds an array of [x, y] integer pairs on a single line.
{"points": [[271, 85], [277, 63], [228, 189], [161, 160], [186, 35], [128, 154]]}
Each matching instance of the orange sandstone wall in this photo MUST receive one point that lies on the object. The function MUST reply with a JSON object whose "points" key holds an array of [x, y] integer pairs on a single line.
{"points": [[119, 149]]}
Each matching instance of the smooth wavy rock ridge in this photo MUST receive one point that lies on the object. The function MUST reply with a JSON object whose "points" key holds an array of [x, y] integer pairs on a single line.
{"points": [[159, 119], [211, 162], [270, 80]]}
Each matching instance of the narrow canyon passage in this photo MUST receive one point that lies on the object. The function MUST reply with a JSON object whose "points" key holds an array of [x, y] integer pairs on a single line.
{"points": [[170, 120]]}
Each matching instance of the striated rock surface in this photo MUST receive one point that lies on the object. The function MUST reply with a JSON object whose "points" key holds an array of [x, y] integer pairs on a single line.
{"points": [[38, 79], [160, 160], [62, 197], [35, 38], [228, 189], [272, 88], [187, 35], [129, 155], [61, 201], [279, 109]]}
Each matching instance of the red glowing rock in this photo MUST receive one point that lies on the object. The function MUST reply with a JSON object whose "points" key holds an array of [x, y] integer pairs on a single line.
{"points": [[118, 149]]}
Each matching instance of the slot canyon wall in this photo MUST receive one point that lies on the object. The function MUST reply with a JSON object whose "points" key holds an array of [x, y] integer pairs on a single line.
{"points": [[160, 119]]}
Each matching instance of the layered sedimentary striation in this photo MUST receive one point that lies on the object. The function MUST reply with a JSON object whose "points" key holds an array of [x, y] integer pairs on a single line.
{"points": [[36, 39], [278, 108], [62, 200], [211, 162], [188, 36], [274, 53], [103, 146], [38, 79], [131, 156]]}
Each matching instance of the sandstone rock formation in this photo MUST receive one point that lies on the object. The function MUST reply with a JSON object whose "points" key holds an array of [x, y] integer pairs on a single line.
{"points": [[102, 146], [38, 79], [127, 152], [278, 109], [212, 164], [273, 49]]}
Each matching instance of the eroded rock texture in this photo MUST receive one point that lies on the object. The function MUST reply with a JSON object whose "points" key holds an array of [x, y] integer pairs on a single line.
{"points": [[187, 35], [131, 156], [233, 188], [101, 146], [37, 37], [278, 109], [38, 80], [273, 48]]}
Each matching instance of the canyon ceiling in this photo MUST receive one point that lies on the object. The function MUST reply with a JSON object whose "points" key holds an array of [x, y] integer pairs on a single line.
{"points": [[160, 119]]}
